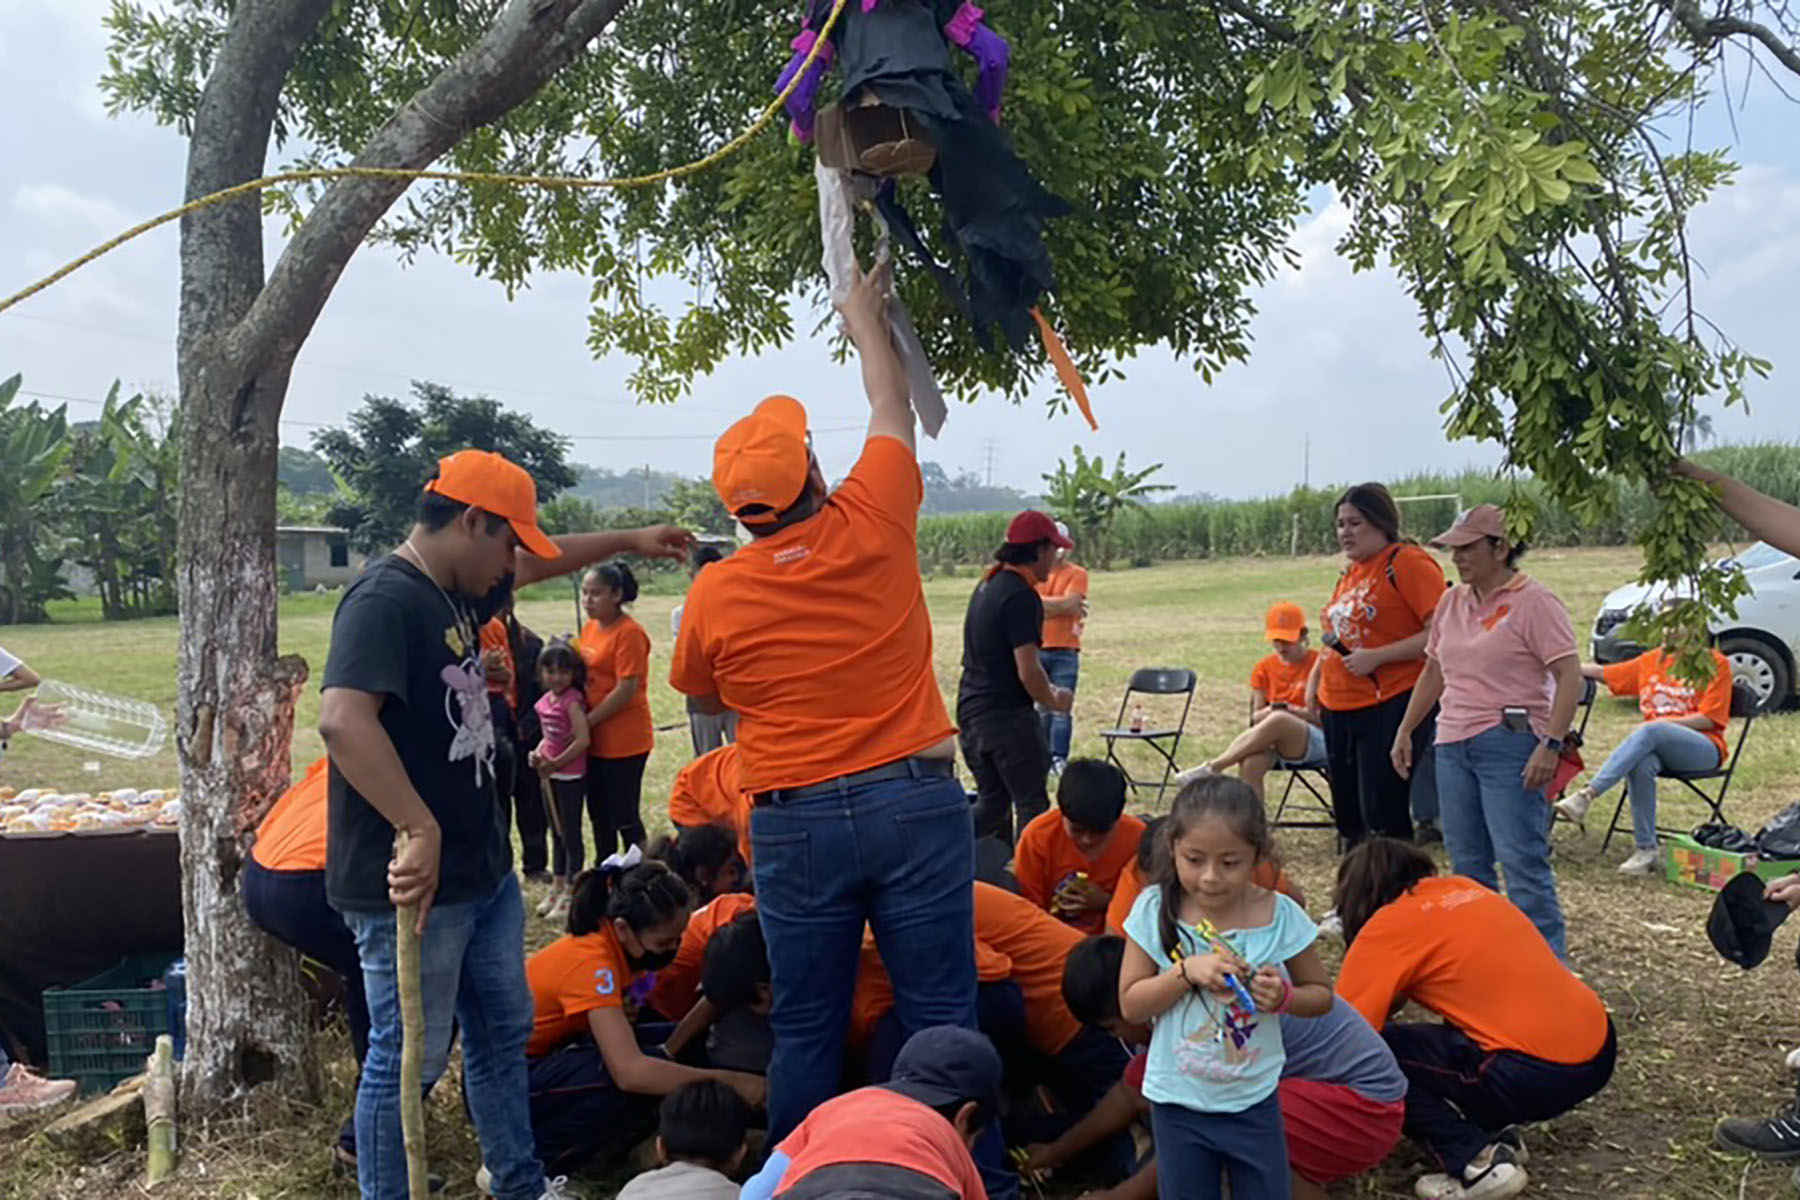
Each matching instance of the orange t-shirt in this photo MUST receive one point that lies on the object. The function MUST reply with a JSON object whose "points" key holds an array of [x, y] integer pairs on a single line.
{"points": [[1469, 955], [292, 834], [1046, 858], [495, 643], [1064, 633], [818, 636], [1038, 945], [706, 791], [1366, 611], [1660, 694], [570, 978], [678, 984], [874, 995], [622, 652], [875, 1125], [1131, 884], [1281, 682]]}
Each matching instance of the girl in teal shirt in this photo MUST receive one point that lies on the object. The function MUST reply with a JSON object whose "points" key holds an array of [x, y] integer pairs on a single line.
{"points": [[1211, 960]]}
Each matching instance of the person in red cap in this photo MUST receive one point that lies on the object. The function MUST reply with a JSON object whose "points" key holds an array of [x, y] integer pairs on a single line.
{"points": [[410, 734], [816, 634], [1003, 680]]}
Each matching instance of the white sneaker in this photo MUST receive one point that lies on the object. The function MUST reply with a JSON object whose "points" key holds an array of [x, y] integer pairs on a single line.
{"points": [[1332, 925], [559, 912], [1192, 773], [559, 1189], [1641, 862], [1496, 1175], [549, 901], [24, 1090], [1575, 805]]}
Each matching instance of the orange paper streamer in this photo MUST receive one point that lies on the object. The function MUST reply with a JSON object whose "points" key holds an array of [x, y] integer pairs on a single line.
{"points": [[1065, 367]]}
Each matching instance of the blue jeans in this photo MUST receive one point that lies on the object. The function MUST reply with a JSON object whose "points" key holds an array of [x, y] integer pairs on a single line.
{"points": [[897, 854], [1064, 669], [1652, 748], [472, 969], [1197, 1151], [1489, 818]]}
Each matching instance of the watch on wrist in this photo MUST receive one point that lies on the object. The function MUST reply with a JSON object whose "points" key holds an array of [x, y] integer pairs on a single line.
{"points": [[1555, 744]]}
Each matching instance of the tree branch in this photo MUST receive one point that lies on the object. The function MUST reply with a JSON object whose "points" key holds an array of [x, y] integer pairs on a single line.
{"points": [[221, 247], [527, 45], [1708, 30]]}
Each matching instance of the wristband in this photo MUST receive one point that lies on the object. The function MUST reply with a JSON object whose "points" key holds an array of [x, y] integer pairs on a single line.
{"points": [[1287, 995], [1181, 970]]}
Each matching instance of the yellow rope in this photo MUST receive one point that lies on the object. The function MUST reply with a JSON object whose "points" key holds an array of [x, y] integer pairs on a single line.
{"points": [[544, 181]]}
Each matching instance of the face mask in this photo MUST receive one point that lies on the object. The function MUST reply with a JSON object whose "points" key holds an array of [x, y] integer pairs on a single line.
{"points": [[650, 961]]}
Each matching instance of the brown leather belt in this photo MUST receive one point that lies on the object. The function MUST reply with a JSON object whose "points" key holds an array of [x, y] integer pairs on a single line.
{"points": [[904, 768]]}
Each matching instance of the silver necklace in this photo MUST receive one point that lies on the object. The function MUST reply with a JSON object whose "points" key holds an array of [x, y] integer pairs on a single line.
{"points": [[465, 620]]}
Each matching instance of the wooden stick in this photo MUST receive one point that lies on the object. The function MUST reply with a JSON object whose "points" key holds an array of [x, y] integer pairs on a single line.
{"points": [[556, 821], [159, 1109], [412, 1044]]}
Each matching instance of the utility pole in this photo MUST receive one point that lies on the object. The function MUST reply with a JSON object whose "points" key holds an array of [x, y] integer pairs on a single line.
{"points": [[646, 487], [990, 448], [1306, 463]]}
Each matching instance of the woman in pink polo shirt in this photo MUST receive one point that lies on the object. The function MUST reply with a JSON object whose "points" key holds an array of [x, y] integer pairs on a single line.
{"points": [[1502, 663]]}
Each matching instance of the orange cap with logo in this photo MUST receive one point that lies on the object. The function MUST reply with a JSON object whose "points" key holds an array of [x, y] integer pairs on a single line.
{"points": [[1286, 622], [488, 481], [762, 461]]}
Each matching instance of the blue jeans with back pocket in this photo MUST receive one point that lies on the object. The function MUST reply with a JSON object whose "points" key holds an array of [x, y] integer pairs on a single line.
{"points": [[898, 854]]}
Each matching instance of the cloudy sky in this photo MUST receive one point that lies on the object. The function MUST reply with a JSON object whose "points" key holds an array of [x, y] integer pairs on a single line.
{"points": [[1337, 355]]}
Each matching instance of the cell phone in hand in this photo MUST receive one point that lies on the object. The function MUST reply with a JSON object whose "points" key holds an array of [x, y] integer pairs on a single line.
{"points": [[1330, 639], [1516, 720]]}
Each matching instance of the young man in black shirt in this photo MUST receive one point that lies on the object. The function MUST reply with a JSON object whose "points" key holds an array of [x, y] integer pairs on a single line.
{"points": [[1002, 682], [407, 726]]}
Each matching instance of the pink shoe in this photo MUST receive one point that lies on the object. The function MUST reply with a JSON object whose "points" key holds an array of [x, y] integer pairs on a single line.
{"points": [[24, 1090]]}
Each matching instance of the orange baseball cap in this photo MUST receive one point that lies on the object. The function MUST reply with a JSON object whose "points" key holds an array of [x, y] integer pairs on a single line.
{"points": [[762, 461], [1286, 622], [488, 481]]}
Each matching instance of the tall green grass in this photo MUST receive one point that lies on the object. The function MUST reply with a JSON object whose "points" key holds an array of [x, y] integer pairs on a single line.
{"points": [[1301, 522]]}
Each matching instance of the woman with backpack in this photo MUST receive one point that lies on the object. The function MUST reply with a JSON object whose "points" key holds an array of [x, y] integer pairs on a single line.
{"points": [[1374, 632]]}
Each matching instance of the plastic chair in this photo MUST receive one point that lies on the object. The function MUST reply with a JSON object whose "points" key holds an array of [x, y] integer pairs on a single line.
{"points": [[1152, 681], [1745, 706]]}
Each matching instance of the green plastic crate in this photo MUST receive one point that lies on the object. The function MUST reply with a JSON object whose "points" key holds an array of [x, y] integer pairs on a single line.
{"points": [[1687, 862], [101, 1030]]}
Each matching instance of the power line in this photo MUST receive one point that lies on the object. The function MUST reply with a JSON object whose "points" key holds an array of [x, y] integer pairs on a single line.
{"points": [[460, 384], [574, 437]]}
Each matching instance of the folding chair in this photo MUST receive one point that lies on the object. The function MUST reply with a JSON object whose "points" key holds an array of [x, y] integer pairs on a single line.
{"points": [[1744, 706], [1310, 776], [1152, 681], [1577, 739]]}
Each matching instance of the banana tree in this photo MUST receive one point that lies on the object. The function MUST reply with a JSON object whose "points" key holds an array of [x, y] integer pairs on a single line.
{"points": [[34, 446]]}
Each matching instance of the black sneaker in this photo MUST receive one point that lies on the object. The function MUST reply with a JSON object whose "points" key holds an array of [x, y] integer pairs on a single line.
{"points": [[1774, 1140], [1428, 834]]}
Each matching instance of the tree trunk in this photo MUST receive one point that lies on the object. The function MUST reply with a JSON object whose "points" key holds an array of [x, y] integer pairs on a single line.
{"points": [[246, 1023]]}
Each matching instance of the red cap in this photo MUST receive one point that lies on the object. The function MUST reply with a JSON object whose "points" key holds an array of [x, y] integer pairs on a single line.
{"points": [[1032, 526], [1482, 521], [763, 460], [488, 481]]}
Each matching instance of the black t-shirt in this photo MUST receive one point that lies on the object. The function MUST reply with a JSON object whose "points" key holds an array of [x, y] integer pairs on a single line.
{"points": [[1004, 613], [397, 635]]}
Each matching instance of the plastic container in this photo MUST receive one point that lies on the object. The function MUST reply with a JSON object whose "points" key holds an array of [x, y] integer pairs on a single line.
{"points": [[101, 1030], [175, 989], [90, 720]]}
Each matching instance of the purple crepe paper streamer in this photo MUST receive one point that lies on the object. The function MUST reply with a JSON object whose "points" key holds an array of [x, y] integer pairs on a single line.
{"points": [[991, 52], [803, 103]]}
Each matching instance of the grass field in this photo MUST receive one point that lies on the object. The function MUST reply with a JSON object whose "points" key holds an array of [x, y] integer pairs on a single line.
{"points": [[1697, 1037]]}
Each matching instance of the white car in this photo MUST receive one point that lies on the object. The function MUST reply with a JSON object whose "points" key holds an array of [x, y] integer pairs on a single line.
{"points": [[1761, 642]]}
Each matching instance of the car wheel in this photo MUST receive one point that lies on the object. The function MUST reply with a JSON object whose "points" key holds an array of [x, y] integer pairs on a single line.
{"points": [[1754, 662]]}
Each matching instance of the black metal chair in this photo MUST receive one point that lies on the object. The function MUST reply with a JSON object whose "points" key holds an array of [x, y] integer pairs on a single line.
{"points": [[1744, 706], [1315, 781], [1152, 681]]}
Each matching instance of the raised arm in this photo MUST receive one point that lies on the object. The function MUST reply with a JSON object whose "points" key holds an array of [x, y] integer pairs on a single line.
{"points": [[884, 379], [583, 550], [1772, 520]]}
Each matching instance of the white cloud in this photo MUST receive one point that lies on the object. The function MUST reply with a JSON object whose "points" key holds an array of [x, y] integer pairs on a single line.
{"points": [[56, 205]]}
